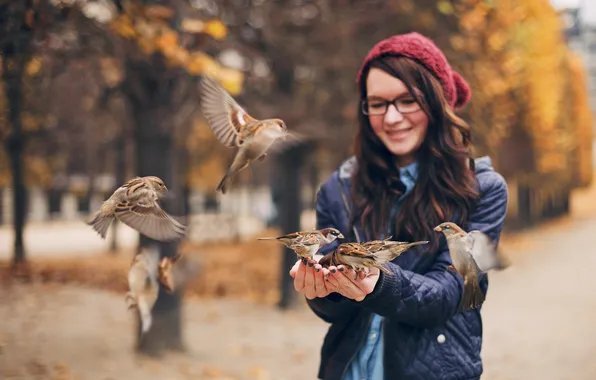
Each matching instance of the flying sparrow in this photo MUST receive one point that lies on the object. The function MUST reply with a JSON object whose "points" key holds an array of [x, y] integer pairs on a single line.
{"points": [[143, 285], [135, 204], [471, 253], [363, 256], [307, 243], [234, 127]]}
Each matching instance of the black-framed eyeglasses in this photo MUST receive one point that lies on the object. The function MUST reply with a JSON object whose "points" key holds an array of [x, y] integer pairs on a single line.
{"points": [[377, 107]]}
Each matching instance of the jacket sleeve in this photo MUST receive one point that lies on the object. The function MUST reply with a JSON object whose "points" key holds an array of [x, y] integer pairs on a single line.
{"points": [[433, 298], [335, 306]]}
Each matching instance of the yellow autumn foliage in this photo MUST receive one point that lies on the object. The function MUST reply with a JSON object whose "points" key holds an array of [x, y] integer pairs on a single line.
{"points": [[216, 29], [582, 119], [37, 168], [154, 35], [205, 169], [520, 68]]}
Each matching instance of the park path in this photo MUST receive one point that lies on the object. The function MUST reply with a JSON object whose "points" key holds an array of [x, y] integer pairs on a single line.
{"points": [[63, 238], [538, 324]]}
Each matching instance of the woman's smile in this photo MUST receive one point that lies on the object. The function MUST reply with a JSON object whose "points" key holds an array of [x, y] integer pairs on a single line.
{"points": [[398, 135]]}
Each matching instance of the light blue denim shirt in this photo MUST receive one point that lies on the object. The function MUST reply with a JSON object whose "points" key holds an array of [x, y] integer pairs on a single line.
{"points": [[368, 363]]}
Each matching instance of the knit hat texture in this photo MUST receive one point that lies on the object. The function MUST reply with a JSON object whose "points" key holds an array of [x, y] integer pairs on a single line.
{"points": [[423, 50]]}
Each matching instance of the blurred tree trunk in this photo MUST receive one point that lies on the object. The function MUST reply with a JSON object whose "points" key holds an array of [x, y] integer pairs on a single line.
{"points": [[155, 93], [15, 19], [289, 176]]}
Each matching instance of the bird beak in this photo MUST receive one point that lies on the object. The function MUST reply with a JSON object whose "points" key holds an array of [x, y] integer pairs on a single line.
{"points": [[340, 236], [438, 229]]}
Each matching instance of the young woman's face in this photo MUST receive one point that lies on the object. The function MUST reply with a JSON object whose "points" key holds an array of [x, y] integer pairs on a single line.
{"points": [[402, 133]]}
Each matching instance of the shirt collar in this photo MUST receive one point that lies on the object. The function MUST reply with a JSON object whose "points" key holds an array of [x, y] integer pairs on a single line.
{"points": [[410, 171]]}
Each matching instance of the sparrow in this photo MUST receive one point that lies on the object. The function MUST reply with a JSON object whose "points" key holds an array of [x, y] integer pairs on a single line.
{"points": [[135, 204], [362, 256], [307, 243], [234, 127], [165, 271], [471, 253], [143, 285]]}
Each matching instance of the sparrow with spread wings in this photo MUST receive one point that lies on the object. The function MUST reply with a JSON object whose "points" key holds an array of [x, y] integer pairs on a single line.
{"points": [[307, 243], [234, 127], [135, 204], [360, 257], [471, 252]]}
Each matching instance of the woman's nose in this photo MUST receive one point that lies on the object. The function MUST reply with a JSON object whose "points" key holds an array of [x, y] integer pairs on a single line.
{"points": [[392, 115]]}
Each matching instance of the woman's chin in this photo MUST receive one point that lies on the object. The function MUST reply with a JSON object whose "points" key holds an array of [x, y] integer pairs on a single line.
{"points": [[406, 148]]}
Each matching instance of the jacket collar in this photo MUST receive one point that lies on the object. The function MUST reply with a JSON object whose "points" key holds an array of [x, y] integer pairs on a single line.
{"points": [[348, 168]]}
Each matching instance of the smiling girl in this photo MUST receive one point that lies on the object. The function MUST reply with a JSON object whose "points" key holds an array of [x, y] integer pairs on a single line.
{"points": [[411, 171]]}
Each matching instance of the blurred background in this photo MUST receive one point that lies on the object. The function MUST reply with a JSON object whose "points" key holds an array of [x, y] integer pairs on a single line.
{"points": [[94, 93]]}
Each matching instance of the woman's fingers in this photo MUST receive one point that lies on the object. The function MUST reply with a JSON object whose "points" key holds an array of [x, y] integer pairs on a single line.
{"points": [[299, 278], [294, 269], [320, 288], [312, 279], [330, 280], [345, 285], [309, 282]]}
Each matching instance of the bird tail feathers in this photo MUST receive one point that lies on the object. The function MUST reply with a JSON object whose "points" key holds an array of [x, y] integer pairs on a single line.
{"points": [[391, 253], [473, 296], [383, 269], [224, 184], [101, 223], [144, 314]]}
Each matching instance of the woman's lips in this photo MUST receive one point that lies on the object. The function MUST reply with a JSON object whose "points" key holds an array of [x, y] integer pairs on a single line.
{"points": [[398, 134]]}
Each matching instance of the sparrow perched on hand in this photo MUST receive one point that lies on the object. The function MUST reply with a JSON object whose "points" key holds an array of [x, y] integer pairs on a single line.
{"points": [[471, 253], [234, 127], [307, 243], [362, 256], [135, 204], [143, 285]]}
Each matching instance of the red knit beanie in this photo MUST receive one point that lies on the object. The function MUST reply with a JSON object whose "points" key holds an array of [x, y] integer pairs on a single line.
{"points": [[424, 51]]}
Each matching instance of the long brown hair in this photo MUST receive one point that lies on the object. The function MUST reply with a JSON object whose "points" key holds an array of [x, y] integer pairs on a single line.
{"points": [[445, 187]]}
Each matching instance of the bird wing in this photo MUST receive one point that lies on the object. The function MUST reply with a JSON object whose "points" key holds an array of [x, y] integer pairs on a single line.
{"points": [[225, 116], [482, 249], [390, 250], [150, 220], [290, 140], [307, 239], [378, 245], [355, 250]]}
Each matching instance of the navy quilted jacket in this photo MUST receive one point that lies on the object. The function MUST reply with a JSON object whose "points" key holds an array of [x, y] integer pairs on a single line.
{"points": [[418, 300]]}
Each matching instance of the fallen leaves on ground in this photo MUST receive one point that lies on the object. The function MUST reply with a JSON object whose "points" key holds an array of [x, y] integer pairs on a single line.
{"points": [[249, 270]]}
